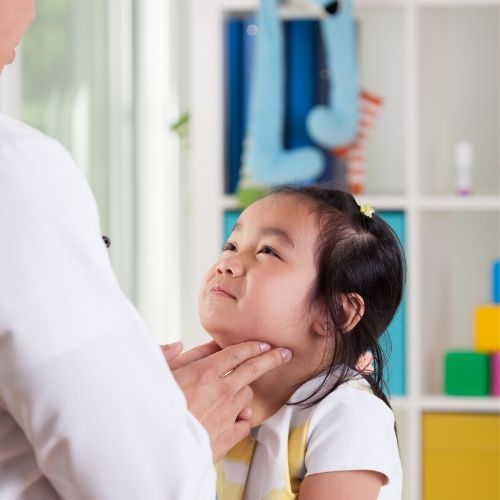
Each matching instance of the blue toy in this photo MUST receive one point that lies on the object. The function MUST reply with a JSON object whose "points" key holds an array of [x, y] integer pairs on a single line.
{"points": [[335, 125], [266, 163], [495, 282]]}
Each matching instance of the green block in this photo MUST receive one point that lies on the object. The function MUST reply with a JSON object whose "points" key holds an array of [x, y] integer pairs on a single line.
{"points": [[466, 373]]}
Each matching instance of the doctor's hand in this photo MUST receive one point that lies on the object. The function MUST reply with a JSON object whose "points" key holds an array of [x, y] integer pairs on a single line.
{"points": [[216, 384]]}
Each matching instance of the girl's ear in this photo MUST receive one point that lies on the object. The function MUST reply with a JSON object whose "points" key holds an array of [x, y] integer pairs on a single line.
{"points": [[354, 308], [320, 322]]}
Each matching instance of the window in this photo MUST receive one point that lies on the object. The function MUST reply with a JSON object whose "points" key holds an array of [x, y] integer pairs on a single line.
{"points": [[101, 77]]}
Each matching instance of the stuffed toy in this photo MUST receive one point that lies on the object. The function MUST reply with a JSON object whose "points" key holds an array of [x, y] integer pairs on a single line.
{"points": [[266, 162], [335, 124], [353, 155]]}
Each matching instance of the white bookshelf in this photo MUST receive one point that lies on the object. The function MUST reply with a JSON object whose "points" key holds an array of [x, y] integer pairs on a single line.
{"points": [[450, 241]]}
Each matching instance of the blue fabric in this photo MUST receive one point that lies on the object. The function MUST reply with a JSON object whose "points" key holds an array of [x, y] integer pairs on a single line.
{"points": [[300, 84], [233, 123], [249, 42]]}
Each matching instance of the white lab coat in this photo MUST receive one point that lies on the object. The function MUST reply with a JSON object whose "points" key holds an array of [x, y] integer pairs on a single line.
{"points": [[88, 407]]}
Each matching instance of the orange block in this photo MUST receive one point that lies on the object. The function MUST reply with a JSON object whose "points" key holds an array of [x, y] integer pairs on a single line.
{"points": [[487, 328], [461, 459]]}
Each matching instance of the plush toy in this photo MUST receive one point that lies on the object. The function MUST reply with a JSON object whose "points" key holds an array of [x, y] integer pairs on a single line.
{"points": [[335, 124], [266, 163], [353, 155], [265, 160]]}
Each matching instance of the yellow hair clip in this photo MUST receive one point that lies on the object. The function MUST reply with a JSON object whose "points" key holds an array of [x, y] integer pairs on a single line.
{"points": [[367, 210]]}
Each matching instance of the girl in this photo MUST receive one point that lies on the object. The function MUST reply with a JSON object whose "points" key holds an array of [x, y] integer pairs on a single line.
{"points": [[309, 269]]}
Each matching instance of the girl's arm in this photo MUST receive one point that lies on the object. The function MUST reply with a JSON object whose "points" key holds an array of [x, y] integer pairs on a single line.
{"points": [[344, 485]]}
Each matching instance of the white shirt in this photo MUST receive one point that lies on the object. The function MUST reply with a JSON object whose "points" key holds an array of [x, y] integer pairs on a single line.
{"points": [[350, 429], [88, 407]]}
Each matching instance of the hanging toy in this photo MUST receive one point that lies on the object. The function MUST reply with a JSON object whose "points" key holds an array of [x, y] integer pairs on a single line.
{"points": [[266, 163], [354, 153], [336, 124]]}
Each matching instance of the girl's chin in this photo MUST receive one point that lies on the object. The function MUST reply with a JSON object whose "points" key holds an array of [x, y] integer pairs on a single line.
{"points": [[224, 341]]}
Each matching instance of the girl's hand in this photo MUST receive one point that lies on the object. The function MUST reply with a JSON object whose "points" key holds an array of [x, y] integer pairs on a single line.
{"points": [[365, 363]]}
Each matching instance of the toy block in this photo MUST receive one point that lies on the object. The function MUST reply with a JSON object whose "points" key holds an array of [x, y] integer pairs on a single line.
{"points": [[495, 282], [466, 373], [461, 456], [487, 328], [495, 374]]}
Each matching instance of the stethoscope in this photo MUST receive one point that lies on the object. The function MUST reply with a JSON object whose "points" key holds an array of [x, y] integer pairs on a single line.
{"points": [[106, 240]]}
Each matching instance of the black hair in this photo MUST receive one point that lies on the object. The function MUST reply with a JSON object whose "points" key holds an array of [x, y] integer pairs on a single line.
{"points": [[356, 254]]}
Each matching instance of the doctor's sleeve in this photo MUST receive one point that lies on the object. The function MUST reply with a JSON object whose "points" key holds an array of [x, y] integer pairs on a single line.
{"points": [[79, 371]]}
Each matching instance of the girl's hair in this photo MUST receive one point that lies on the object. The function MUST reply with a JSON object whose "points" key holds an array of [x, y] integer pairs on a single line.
{"points": [[356, 254]]}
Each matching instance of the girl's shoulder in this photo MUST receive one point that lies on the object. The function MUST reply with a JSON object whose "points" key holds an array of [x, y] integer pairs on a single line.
{"points": [[354, 408], [352, 429], [352, 399], [350, 414]]}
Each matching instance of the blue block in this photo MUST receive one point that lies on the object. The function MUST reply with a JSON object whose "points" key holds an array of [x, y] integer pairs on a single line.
{"points": [[495, 282]]}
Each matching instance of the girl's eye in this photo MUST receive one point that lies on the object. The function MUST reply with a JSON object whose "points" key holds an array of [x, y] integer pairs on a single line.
{"points": [[229, 247], [269, 250]]}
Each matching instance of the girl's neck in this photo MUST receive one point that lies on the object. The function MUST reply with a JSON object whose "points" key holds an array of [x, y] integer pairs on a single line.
{"points": [[270, 393]]}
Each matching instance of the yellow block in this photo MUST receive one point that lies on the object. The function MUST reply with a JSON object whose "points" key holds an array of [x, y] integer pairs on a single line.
{"points": [[487, 328], [461, 456]]}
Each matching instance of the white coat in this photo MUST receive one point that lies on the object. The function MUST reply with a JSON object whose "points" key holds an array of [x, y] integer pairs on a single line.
{"points": [[88, 407]]}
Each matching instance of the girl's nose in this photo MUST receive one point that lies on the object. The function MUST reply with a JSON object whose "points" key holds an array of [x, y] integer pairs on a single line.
{"points": [[230, 266]]}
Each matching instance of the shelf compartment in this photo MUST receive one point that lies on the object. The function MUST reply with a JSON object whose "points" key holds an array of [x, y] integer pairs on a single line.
{"points": [[458, 95], [381, 53], [456, 251], [382, 57], [461, 456]]}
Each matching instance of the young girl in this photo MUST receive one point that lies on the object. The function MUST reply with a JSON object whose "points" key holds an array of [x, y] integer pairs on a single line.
{"points": [[309, 269]]}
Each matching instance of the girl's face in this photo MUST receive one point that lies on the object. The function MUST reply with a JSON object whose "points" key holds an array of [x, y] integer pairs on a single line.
{"points": [[259, 288]]}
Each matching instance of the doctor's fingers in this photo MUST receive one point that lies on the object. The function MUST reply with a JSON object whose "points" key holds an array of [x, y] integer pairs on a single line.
{"points": [[194, 354], [252, 369], [227, 440], [233, 356], [241, 402], [245, 414], [171, 351]]}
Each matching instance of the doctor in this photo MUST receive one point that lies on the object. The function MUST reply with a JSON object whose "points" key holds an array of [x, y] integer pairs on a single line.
{"points": [[88, 407]]}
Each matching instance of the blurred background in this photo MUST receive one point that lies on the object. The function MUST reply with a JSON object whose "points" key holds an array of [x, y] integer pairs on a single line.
{"points": [[151, 98]]}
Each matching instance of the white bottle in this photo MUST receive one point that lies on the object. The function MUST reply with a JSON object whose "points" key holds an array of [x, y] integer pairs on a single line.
{"points": [[464, 159]]}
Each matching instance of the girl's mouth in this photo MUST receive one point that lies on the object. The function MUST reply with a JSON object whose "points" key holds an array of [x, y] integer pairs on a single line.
{"points": [[221, 292]]}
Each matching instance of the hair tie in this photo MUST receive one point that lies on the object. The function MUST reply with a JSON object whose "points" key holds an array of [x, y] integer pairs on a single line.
{"points": [[367, 210]]}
